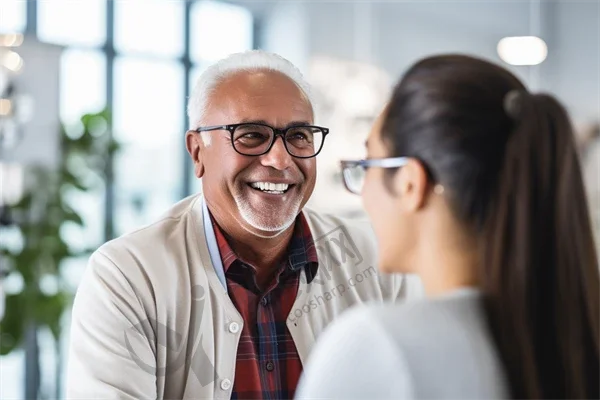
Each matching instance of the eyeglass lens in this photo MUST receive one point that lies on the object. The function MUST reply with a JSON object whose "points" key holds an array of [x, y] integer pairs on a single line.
{"points": [[253, 139], [354, 177]]}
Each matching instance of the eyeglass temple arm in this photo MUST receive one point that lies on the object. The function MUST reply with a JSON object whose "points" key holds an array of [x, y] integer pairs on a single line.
{"points": [[393, 162], [211, 128]]}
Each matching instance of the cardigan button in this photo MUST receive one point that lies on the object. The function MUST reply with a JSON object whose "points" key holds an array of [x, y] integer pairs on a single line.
{"points": [[225, 384], [234, 327]]}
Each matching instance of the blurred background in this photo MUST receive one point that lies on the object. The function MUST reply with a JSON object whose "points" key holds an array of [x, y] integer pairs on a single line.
{"points": [[92, 118]]}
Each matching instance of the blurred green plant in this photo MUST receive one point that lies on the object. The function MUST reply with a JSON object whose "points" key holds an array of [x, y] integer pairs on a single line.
{"points": [[37, 219]]}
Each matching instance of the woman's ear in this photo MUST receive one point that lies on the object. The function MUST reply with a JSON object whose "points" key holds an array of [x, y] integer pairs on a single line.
{"points": [[193, 143], [410, 184]]}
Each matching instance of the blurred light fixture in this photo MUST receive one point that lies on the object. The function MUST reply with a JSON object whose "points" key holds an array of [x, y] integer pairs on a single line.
{"points": [[12, 61], [11, 40], [522, 50], [5, 107]]}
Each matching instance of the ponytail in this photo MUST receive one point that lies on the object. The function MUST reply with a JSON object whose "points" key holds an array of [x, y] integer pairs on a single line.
{"points": [[540, 269]]}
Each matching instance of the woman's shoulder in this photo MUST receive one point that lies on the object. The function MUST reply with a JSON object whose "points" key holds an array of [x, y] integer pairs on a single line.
{"points": [[458, 307], [453, 319], [429, 346], [444, 331], [457, 300], [352, 359]]}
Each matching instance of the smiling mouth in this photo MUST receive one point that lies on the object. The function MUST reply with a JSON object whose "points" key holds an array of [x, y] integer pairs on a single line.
{"points": [[271, 188]]}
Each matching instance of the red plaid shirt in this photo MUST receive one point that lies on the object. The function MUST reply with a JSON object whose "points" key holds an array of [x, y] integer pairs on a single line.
{"points": [[267, 364]]}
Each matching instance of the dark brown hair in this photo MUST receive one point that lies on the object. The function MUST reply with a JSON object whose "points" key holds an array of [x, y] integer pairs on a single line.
{"points": [[509, 163]]}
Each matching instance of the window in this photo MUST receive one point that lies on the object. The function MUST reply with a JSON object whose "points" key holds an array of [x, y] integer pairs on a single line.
{"points": [[12, 366], [219, 29], [82, 83], [148, 101], [149, 26], [148, 121], [69, 22], [12, 16]]}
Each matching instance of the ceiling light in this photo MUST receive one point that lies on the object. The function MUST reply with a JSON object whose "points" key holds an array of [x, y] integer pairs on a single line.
{"points": [[5, 107], [11, 40], [12, 61], [522, 50]]}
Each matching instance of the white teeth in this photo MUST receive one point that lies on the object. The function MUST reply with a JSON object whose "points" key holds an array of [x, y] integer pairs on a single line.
{"points": [[270, 187]]}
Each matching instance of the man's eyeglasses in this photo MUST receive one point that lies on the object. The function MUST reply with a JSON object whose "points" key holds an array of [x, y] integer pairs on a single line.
{"points": [[353, 171], [254, 139]]}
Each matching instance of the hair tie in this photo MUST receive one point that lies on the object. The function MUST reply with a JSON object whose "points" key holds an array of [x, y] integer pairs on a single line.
{"points": [[513, 103]]}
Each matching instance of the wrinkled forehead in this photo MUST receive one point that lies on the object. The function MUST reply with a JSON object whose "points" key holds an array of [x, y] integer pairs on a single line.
{"points": [[261, 94]]}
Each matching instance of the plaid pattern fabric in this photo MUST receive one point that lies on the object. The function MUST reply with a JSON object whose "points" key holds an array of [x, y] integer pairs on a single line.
{"points": [[267, 364]]}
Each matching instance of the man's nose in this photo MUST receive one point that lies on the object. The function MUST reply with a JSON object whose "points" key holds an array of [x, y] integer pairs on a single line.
{"points": [[277, 157]]}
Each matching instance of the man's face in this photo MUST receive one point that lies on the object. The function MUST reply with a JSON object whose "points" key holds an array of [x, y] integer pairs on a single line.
{"points": [[262, 97]]}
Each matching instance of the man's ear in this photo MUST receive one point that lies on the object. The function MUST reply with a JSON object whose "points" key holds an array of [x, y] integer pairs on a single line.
{"points": [[410, 183], [193, 143]]}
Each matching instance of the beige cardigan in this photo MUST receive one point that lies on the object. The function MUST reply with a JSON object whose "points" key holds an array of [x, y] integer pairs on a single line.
{"points": [[151, 318]]}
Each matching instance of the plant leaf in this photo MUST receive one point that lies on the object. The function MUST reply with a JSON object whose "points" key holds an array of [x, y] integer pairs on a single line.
{"points": [[12, 325], [49, 310]]}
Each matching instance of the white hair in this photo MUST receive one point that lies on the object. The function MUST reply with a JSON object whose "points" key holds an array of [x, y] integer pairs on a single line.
{"points": [[253, 60]]}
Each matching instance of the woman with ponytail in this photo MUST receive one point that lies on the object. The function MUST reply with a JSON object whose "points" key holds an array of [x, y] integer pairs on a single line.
{"points": [[473, 183]]}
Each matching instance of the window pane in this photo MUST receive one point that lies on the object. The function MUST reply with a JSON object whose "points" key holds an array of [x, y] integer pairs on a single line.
{"points": [[82, 84], [148, 100], [11, 370], [195, 73], [12, 16], [219, 29], [149, 26], [90, 206], [72, 22], [82, 91], [148, 122]]}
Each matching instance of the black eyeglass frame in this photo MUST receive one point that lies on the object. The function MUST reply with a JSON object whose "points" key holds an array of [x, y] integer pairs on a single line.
{"points": [[390, 162], [276, 132]]}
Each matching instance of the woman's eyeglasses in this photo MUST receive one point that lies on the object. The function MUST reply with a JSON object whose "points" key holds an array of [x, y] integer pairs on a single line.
{"points": [[353, 171]]}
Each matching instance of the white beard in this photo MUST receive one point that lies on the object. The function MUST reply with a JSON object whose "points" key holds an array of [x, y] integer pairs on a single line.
{"points": [[274, 223]]}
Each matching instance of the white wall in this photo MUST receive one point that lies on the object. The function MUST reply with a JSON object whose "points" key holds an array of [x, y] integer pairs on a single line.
{"points": [[419, 30], [285, 31], [399, 33], [573, 65]]}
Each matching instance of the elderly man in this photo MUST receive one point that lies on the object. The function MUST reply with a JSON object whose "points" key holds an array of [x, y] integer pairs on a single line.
{"points": [[225, 296]]}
